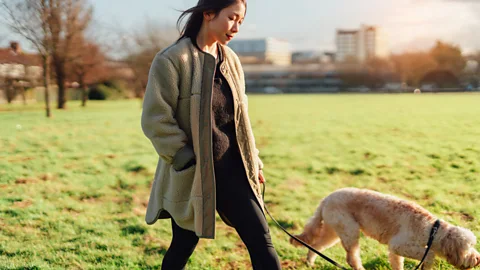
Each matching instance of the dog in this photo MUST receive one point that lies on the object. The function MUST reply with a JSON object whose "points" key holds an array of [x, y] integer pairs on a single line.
{"points": [[402, 225]]}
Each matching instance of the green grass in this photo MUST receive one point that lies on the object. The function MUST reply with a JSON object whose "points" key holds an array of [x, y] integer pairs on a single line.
{"points": [[74, 188]]}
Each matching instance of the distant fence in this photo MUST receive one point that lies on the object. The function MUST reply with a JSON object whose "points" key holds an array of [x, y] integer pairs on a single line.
{"points": [[37, 94], [329, 90]]}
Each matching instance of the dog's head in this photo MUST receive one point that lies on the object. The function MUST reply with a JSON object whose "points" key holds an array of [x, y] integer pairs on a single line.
{"points": [[458, 247], [302, 237], [310, 234]]}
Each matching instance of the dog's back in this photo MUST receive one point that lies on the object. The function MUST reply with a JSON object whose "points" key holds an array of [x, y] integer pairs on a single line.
{"points": [[377, 215]]}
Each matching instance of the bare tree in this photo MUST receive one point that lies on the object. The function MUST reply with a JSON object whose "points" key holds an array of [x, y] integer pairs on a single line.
{"points": [[52, 26], [140, 48], [30, 19], [69, 19], [87, 62]]}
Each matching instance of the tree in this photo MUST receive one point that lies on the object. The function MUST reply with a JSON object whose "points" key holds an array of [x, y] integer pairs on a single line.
{"points": [[141, 47], [441, 78], [448, 57], [52, 26], [30, 19], [69, 19], [379, 65], [87, 62], [413, 66], [471, 73]]}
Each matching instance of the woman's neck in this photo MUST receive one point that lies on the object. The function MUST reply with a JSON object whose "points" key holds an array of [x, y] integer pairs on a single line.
{"points": [[206, 43]]}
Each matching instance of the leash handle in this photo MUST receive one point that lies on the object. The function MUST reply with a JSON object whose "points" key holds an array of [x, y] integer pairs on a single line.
{"points": [[294, 237]]}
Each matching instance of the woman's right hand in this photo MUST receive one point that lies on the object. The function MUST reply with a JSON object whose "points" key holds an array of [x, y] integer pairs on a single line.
{"points": [[184, 158], [188, 165], [261, 178]]}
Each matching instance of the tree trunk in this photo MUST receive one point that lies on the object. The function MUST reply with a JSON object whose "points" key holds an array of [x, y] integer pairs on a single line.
{"points": [[8, 94], [62, 98], [46, 83], [84, 92], [10, 91], [24, 98]]}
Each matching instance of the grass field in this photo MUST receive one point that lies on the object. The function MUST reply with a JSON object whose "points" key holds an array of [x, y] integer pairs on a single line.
{"points": [[74, 188]]}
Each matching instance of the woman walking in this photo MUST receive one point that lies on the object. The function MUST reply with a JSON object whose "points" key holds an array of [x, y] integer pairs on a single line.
{"points": [[195, 114]]}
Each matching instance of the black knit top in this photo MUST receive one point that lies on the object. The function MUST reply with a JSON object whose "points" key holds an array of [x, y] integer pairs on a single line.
{"points": [[225, 148], [226, 156]]}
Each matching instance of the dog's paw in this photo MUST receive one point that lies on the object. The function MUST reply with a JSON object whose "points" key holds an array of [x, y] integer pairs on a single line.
{"points": [[311, 262]]}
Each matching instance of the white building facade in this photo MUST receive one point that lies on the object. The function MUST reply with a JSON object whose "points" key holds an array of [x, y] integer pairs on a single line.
{"points": [[263, 51], [360, 45]]}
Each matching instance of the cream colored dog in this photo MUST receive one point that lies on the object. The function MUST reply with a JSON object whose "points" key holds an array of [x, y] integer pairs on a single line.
{"points": [[403, 226]]}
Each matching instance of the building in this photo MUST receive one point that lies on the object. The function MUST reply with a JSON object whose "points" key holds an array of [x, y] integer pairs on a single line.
{"points": [[312, 57], [18, 71], [15, 64], [263, 51], [362, 44]]}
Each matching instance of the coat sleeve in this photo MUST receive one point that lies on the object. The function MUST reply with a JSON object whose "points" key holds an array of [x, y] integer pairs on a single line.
{"points": [[159, 107]]}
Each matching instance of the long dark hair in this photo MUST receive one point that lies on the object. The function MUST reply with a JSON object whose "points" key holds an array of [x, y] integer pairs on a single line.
{"points": [[195, 20]]}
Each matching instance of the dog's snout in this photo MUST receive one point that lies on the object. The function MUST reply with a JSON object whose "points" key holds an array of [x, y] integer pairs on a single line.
{"points": [[295, 242]]}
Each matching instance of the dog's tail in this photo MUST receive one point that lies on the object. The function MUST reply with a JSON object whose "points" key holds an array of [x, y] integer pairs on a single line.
{"points": [[313, 227]]}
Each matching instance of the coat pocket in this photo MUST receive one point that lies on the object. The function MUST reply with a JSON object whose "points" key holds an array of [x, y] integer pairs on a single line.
{"points": [[180, 184]]}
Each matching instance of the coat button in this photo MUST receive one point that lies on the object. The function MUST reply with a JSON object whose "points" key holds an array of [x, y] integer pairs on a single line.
{"points": [[224, 69]]}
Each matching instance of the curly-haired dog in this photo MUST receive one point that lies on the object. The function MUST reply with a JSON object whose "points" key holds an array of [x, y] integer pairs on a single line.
{"points": [[403, 226]]}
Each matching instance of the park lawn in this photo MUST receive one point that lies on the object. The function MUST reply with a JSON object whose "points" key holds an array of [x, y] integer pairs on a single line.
{"points": [[74, 188]]}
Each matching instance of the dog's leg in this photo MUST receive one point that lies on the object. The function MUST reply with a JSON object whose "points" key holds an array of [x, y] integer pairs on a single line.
{"points": [[396, 261], [350, 236], [327, 238], [402, 248], [429, 260]]}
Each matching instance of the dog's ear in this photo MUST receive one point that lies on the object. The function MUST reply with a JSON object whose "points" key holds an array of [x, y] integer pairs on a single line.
{"points": [[302, 237]]}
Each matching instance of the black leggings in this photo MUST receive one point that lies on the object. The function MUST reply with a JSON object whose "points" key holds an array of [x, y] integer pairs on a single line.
{"points": [[236, 202]]}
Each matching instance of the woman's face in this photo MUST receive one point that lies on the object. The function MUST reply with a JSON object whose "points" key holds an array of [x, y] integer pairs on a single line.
{"points": [[223, 27]]}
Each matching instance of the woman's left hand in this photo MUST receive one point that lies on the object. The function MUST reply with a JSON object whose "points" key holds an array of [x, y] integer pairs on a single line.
{"points": [[261, 178]]}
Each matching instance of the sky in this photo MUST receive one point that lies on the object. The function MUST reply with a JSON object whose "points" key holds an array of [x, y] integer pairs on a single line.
{"points": [[312, 24]]}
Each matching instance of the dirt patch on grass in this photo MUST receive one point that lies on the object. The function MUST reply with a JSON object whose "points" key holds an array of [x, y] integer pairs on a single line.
{"points": [[30, 180], [20, 159], [47, 177], [289, 264], [462, 215], [22, 204], [292, 184], [25, 180]]}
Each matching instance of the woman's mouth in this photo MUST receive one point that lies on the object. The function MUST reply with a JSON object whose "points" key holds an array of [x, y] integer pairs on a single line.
{"points": [[229, 37]]}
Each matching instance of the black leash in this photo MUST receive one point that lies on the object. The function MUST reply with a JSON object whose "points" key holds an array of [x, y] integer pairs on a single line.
{"points": [[303, 243], [433, 232]]}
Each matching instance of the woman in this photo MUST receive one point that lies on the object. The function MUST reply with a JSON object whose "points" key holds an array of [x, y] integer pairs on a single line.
{"points": [[195, 113]]}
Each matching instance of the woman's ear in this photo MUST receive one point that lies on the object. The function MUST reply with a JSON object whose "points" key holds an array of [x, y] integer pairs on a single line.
{"points": [[208, 15]]}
